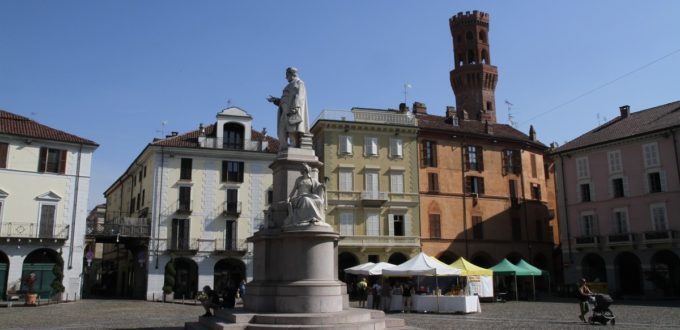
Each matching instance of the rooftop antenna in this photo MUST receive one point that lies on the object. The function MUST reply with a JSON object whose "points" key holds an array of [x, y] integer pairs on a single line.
{"points": [[510, 116], [162, 130], [407, 86]]}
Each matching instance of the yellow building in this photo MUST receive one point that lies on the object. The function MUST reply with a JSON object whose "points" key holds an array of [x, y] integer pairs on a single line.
{"points": [[371, 167]]}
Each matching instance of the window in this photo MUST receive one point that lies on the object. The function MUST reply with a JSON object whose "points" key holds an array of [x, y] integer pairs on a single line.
{"points": [[615, 162], [346, 180], [651, 154], [397, 182], [143, 196], [232, 171], [2, 203], [372, 225], [133, 201], [617, 187], [184, 199], [512, 163], [52, 160], [140, 176], [656, 181], [477, 229], [346, 224], [179, 235], [145, 171], [47, 219], [620, 221], [512, 187], [398, 225], [372, 184], [534, 172], [139, 200], [429, 154], [185, 170], [233, 136], [516, 229], [345, 144], [230, 235], [582, 169], [585, 192], [536, 191], [370, 146], [396, 148], [588, 227], [474, 184], [432, 183], [474, 158], [659, 217], [270, 196], [3, 154], [232, 201], [435, 226]]}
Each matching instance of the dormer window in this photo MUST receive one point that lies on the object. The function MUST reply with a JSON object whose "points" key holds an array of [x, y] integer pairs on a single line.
{"points": [[233, 136]]}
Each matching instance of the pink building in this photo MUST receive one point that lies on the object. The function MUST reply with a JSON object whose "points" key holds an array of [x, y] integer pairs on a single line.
{"points": [[619, 203]]}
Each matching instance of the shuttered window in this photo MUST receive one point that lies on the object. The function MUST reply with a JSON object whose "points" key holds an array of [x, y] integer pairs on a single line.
{"points": [[435, 226], [345, 179], [3, 154], [371, 146], [396, 148], [346, 224], [52, 160], [429, 154], [397, 182], [345, 142], [474, 158]]}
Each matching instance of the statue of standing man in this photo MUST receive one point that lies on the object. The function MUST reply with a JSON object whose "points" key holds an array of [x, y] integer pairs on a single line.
{"points": [[293, 120]]}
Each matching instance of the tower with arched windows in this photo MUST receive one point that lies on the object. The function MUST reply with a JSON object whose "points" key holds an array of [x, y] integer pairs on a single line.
{"points": [[473, 78]]}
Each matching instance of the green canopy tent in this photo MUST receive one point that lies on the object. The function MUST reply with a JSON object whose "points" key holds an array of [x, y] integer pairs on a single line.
{"points": [[532, 271], [506, 268]]}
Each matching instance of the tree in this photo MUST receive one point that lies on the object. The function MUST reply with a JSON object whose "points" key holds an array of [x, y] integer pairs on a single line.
{"points": [[58, 271], [170, 272]]}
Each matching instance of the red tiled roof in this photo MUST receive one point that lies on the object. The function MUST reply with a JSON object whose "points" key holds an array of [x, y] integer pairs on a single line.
{"points": [[637, 123], [190, 139], [13, 124], [473, 127]]}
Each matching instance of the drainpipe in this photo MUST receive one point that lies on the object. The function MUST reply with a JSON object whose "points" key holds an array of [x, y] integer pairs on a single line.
{"points": [[160, 205], [526, 212], [566, 212], [75, 210], [462, 171]]}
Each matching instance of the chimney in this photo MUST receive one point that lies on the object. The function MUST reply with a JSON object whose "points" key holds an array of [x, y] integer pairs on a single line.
{"points": [[532, 133], [625, 111], [419, 107], [403, 107]]}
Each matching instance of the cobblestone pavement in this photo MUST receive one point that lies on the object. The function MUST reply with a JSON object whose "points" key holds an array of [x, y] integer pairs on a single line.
{"points": [[127, 314]]}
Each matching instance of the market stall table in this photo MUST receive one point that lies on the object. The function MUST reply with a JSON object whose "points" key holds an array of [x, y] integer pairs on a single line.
{"points": [[428, 303]]}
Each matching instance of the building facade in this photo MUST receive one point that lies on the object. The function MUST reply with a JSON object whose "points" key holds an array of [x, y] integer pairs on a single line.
{"points": [[44, 183], [198, 195], [618, 191], [371, 167]]}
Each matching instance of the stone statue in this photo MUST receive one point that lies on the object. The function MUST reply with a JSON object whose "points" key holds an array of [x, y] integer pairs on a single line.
{"points": [[307, 200], [293, 120]]}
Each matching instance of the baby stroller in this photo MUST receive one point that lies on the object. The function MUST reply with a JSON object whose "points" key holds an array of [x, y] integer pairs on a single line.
{"points": [[601, 311]]}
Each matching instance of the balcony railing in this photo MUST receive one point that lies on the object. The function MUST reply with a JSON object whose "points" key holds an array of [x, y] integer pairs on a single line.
{"points": [[374, 198], [587, 241], [231, 208], [656, 237], [185, 206], [32, 230], [381, 241], [230, 245], [185, 245], [369, 116], [620, 239], [125, 226], [220, 143]]}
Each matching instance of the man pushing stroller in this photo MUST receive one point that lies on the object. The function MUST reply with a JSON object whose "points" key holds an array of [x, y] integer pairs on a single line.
{"points": [[601, 303]]}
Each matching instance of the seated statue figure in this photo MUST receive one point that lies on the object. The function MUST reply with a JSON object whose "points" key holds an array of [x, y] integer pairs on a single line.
{"points": [[306, 202]]}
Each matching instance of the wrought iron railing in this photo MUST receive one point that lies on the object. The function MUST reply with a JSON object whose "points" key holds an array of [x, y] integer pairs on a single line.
{"points": [[231, 207], [225, 245], [124, 226], [33, 230]]}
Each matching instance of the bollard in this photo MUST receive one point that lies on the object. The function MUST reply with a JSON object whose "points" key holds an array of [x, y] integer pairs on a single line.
{"points": [[182, 299], [153, 296]]}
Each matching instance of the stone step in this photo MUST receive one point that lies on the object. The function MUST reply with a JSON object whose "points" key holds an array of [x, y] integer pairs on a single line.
{"points": [[217, 323], [348, 316], [394, 323], [363, 325]]}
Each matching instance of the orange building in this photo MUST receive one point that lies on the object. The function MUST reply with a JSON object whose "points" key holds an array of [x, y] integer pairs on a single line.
{"points": [[487, 190]]}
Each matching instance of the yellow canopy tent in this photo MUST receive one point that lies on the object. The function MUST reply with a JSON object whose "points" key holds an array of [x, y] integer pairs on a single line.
{"points": [[479, 280]]}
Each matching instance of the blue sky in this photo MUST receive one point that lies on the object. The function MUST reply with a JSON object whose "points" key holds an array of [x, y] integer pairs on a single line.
{"points": [[112, 71]]}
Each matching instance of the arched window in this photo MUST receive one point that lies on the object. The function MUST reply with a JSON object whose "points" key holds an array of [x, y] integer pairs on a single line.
{"points": [[482, 36], [485, 56], [471, 57], [233, 136]]}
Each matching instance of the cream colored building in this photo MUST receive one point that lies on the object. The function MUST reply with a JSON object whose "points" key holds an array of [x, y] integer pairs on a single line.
{"points": [[44, 183], [200, 194], [371, 165]]}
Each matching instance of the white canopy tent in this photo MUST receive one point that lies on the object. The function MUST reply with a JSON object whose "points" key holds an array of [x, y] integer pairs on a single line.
{"points": [[423, 265], [369, 268], [360, 269]]}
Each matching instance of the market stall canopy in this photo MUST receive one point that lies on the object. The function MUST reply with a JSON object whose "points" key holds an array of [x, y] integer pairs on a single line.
{"points": [[506, 267], [378, 268], [422, 264], [529, 267], [359, 269], [470, 269]]}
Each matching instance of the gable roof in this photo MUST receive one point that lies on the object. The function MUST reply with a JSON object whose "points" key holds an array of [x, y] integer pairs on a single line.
{"points": [[190, 139], [474, 127], [637, 123], [13, 124]]}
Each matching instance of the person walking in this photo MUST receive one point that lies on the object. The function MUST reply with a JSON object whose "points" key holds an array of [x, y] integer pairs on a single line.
{"points": [[375, 292], [583, 295], [386, 294], [406, 293], [362, 290]]}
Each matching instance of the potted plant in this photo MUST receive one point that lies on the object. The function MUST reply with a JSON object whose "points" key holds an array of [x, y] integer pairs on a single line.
{"points": [[169, 282], [57, 286], [31, 296]]}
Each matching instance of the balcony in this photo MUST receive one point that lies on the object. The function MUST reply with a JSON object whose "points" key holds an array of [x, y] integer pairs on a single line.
{"points": [[626, 239], [587, 241], [231, 208], [32, 230], [220, 143], [380, 241], [230, 246], [374, 198], [369, 116], [660, 237], [122, 226], [183, 246], [184, 206]]}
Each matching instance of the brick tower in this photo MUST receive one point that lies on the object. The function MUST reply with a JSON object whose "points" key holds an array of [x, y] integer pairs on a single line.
{"points": [[473, 79]]}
